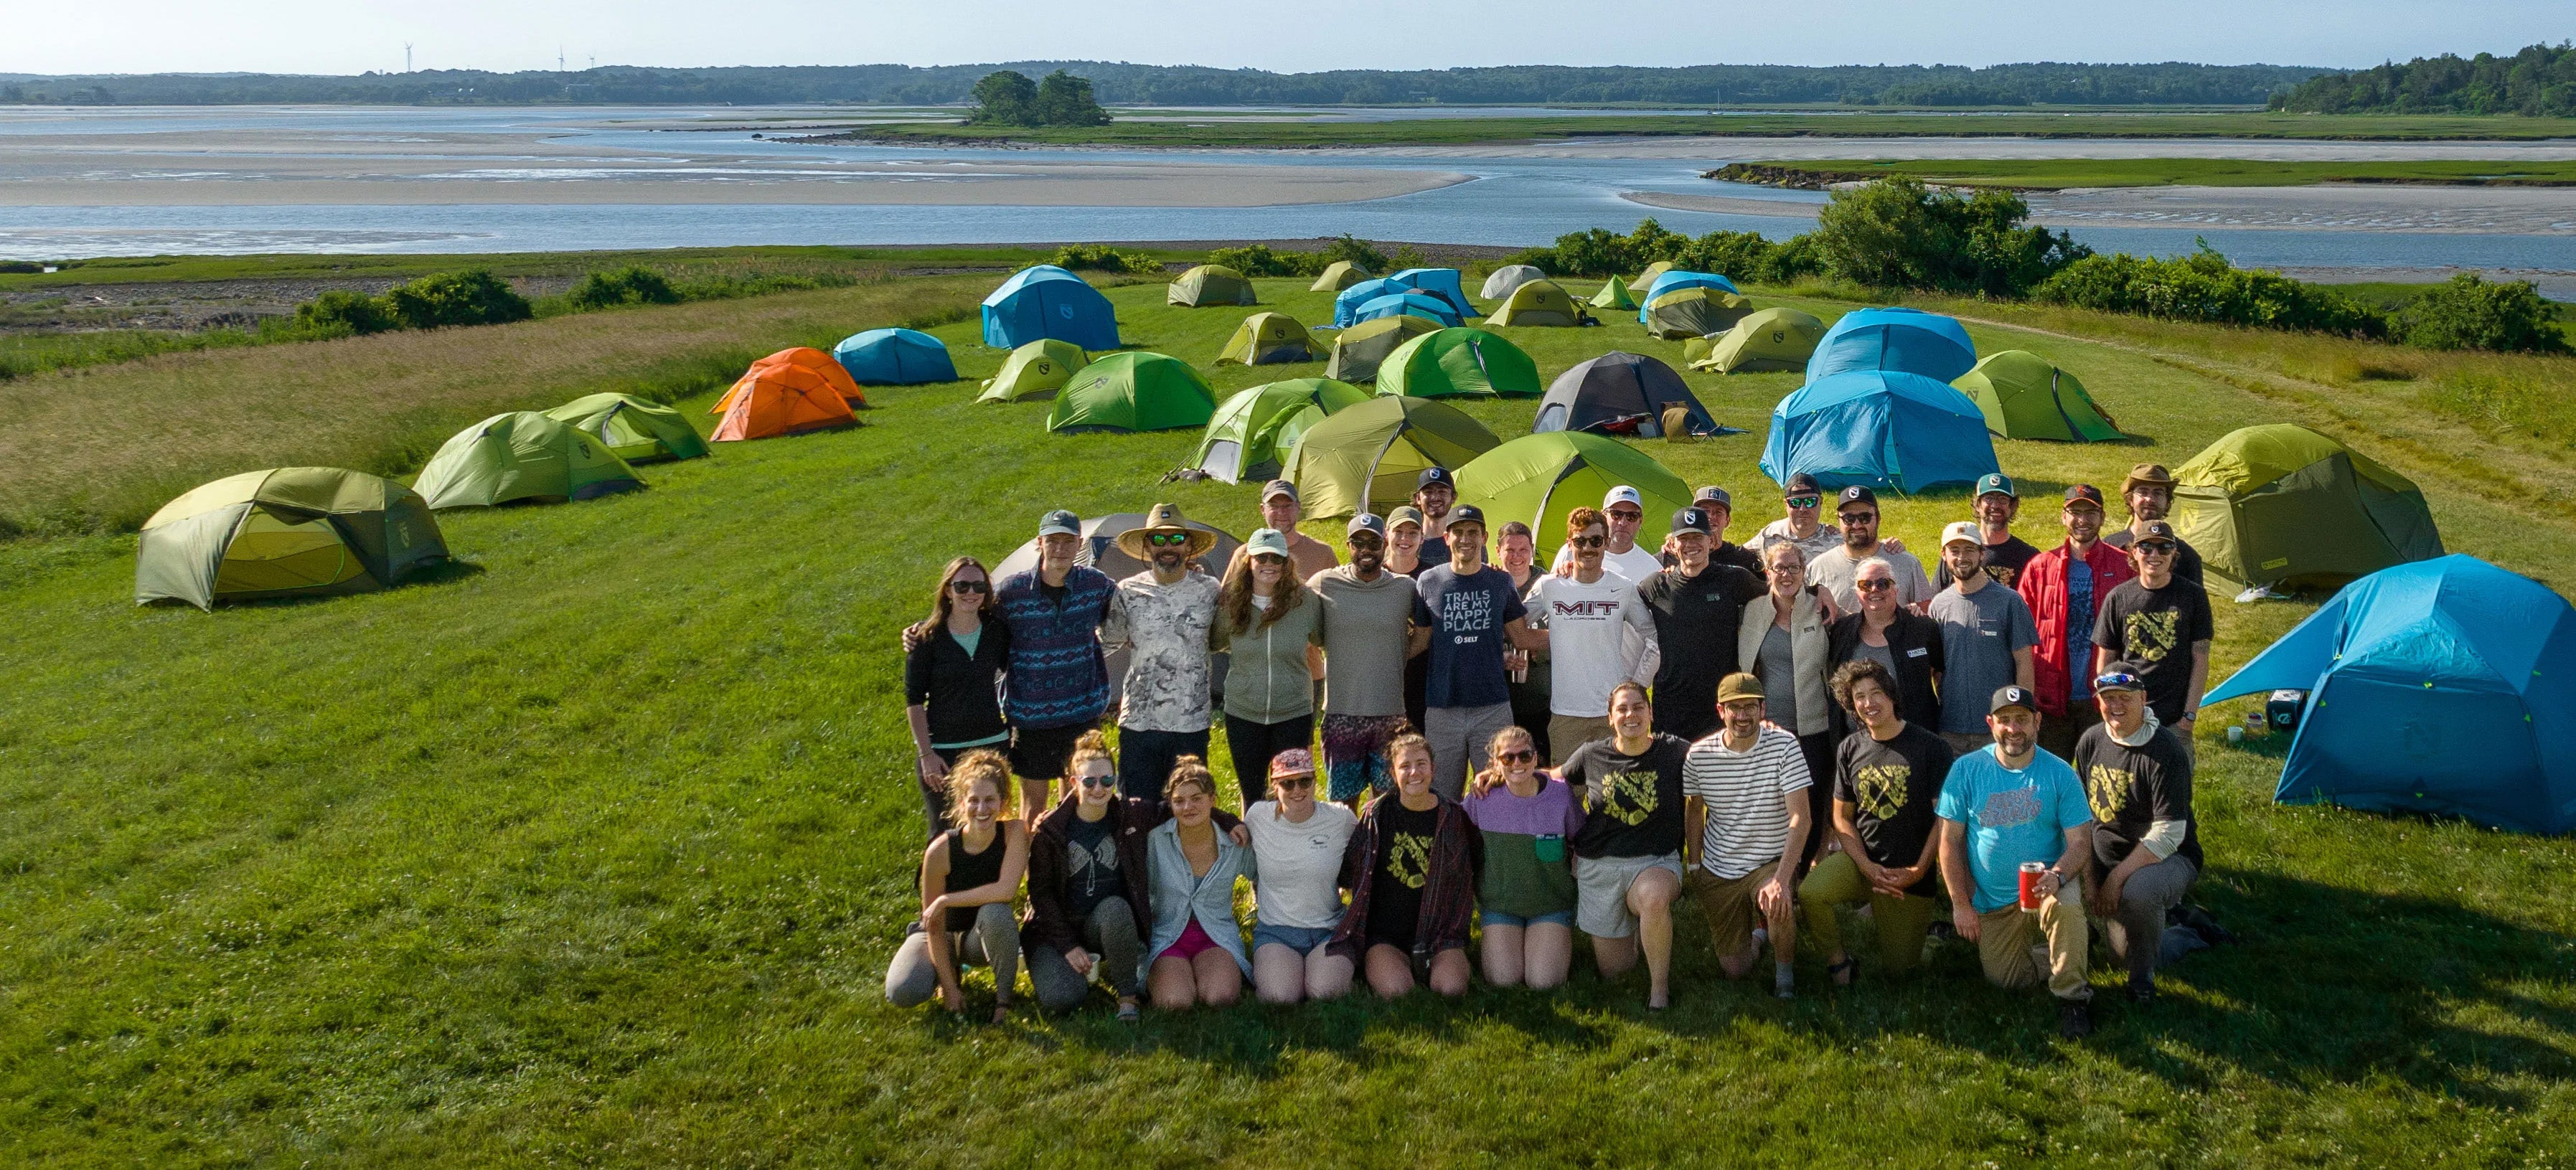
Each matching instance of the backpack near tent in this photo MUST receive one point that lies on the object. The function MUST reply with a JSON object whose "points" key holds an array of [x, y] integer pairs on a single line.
{"points": [[521, 457], [1448, 284], [895, 357], [1538, 479], [1909, 340], [1034, 372], [2025, 397], [1508, 277], [1677, 279], [1770, 341], [1253, 429], [1612, 295], [1210, 284], [1371, 456], [2283, 507], [632, 428], [1338, 275], [284, 532], [1047, 301], [787, 394], [2446, 686], [1412, 304], [1126, 392], [1619, 393], [1537, 302], [1459, 362], [1693, 312], [1359, 350], [1883, 429], [800, 364], [1266, 339]]}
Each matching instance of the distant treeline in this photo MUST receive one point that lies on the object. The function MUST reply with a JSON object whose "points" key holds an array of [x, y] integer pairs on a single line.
{"points": [[2538, 81], [2170, 83]]}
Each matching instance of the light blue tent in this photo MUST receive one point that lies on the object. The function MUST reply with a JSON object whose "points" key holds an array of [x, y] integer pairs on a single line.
{"points": [[1673, 279], [895, 357], [1884, 429], [1416, 304], [1047, 301], [1346, 303], [2444, 686], [1910, 340], [1444, 283]]}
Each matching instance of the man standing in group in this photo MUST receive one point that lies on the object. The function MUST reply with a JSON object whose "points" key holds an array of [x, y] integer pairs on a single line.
{"points": [[1585, 619], [1986, 638], [1469, 624], [1280, 511], [1837, 568], [1059, 678], [1162, 615], [2001, 807], [1625, 510], [1804, 499], [1366, 609], [1747, 820], [1434, 494], [1698, 607], [2149, 493], [2160, 624], [2146, 850], [2065, 587], [2005, 554], [1720, 508]]}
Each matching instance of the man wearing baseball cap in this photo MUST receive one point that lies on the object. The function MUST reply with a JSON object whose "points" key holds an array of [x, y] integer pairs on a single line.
{"points": [[1986, 638], [2148, 491], [1434, 493], [1469, 626], [2161, 624], [1745, 823], [1720, 508], [1406, 536], [2065, 587], [1804, 500], [2001, 807], [1059, 676], [1837, 569], [2146, 849], [1280, 512], [1365, 610], [1624, 508], [2006, 554], [1163, 616], [1698, 606]]}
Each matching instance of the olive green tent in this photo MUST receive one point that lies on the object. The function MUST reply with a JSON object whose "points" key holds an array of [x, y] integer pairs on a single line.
{"points": [[1537, 302], [1244, 440], [522, 456], [1210, 284], [2281, 506], [2024, 397], [285, 532], [1646, 279], [1613, 295], [1034, 372], [634, 429], [1770, 341], [1461, 361], [1371, 456], [1694, 312], [1133, 391], [1538, 479], [1338, 275], [1268, 339], [1360, 349]]}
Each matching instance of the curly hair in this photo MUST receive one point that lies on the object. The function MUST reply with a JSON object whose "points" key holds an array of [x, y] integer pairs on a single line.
{"points": [[1855, 670], [981, 766], [1189, 771]]}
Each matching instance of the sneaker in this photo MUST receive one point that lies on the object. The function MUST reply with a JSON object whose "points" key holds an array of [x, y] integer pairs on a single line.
{"points": [[2142, 994], [2074, 1019]]}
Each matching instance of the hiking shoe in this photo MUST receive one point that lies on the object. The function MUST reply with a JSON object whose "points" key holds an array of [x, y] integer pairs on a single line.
{"points": [[2074, 1019], [2198, 921], [2142, 994]]}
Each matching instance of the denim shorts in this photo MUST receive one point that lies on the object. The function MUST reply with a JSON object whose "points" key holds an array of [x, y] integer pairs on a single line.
{"points": [[1564, 918], [1301, 939]]}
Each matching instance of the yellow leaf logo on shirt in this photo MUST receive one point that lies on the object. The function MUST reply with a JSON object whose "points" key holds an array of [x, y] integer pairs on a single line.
{"points": [[2107, 790], [2151, 635], [1408, 859], [1629, 796], [1881, 788]]}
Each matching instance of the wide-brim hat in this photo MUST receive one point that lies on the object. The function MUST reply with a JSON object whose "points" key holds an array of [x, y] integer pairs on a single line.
{"points": [[2150, 474], [1164, 518]]}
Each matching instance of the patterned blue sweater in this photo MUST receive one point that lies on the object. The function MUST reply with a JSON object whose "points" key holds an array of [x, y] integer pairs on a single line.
{"points": [[1058, 677]]}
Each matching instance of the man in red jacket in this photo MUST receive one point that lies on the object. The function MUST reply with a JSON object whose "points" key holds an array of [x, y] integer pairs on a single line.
{"points": [[2065, 587]]}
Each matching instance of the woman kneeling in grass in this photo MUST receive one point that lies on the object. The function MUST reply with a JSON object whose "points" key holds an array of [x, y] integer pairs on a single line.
{"points": [[1525, 817], [968, 877], [1298, 843], [1412, 868], [1198, 946]]}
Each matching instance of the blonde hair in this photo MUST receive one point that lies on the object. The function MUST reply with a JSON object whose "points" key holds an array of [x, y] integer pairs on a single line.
{"points": [[1193, 772], [986, 766], [1091, 746], [1494, 772]]}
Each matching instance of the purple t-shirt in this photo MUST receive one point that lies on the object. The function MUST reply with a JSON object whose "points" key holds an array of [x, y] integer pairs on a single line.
{"points": [[1551, 811]]}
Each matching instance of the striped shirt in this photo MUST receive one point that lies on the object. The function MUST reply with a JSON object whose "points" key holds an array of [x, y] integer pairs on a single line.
{"points": [[1748, 822]]}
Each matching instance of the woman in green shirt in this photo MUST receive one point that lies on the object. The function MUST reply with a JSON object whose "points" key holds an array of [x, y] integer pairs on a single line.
{"points": [[1527, 898]]}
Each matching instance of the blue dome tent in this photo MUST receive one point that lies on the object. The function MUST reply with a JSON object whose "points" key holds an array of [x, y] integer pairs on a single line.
{"points": [[1884, 429], [1444, 283], [1346, 303], [1909, 340], [1047, 301], [1675, 279], [1416, 304], [2444, 686], [895, 357]]}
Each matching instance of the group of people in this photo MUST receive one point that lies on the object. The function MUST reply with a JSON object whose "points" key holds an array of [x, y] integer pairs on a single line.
{"points": [[1784, 728]]}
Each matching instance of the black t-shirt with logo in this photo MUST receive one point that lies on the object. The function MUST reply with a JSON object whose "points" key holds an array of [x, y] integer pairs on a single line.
{"points": [[2131, 788], [1403, 867], [1632, 805], [1892, 788], [2154, 629], [2003, 563], [1696, 622]]}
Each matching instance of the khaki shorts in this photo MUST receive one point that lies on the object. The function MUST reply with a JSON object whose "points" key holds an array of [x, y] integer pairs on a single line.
{"points": [[1601, 891], [1568, 732], [1729, 906]]}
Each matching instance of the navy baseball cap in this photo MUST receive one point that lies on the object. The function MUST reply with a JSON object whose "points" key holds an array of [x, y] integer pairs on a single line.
{"points": [[2013, 697], [1463, 514], [1366, 522], [1690, 520], [1432, 475], [1996, 481]]}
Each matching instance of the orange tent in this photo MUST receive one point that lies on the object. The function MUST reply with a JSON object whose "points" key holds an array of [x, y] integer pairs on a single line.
{"points": [[784, 398], [806, 358]]}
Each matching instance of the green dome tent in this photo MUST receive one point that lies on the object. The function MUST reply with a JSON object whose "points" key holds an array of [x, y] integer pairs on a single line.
{"points": [[1034, 372], [522, 456], [1538, 479], [1266, 339], [1359, 350], [634, 429], [1613, 295], [1133, 392], [1460, 361], [1694, 312], [1369, 457], [1209, 284], [1243, 440], [285, 532], [1770, 341], [1338, 275], [2281, 506], [2024, 397]]}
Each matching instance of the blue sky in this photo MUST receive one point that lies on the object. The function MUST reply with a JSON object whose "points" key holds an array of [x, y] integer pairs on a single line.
{"points": [[349, 36]]}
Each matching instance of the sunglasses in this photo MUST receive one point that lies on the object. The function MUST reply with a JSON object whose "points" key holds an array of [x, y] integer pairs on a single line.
{"points": [[1858, 517], [1873, 584], [1587, 541], [1293, 783], [2158, 547], [1631, 517], [1168, 539], [1805, 501], [1522, 756], [970, 587], [2119, 681], [1098, 781]]}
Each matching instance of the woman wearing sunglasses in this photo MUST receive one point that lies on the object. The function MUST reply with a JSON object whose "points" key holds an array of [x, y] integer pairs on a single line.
{"points": [[952, 673], [1527, 897], [1297, 846]]}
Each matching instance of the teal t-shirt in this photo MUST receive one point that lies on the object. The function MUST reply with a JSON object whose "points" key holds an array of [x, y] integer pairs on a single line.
{"points": [[2012, 817]]}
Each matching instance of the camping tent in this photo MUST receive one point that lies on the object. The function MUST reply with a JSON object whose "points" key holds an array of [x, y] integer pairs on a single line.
{"points": [[2282, 506], [1414, 304], [802, 365], [2025, 397], [1338, 275], [521, 456], [1245, 438], [285, 532], [1034, 372], [1621, 394], [1675, 279], [1537, 479], [1537, 302], [1209, 284], [634, 429], [1448, 284], [784, 395], [1464, 361], [895, 357], [1047, 301], [1359, 350], [2445, 686], [1910, 340], [1768, 341], [1133, 391], [1880, 428], [1612, 295], [1646, 279], [1693, 312], [1507, 278], [1268, 339], [1369, 456], [1346, 303]]}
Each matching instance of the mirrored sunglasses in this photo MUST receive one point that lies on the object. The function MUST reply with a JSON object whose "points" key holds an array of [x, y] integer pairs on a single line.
{"points": [[1104, 781], [1168, 539], [1805, 501]]}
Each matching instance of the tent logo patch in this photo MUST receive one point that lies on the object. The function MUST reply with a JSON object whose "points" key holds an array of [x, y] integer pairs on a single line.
{"points": [[1881, 788], [2151, 635]]}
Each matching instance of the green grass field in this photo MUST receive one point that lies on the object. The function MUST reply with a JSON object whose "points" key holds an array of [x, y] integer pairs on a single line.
{"points": [[2054, 174], [593, 849]]}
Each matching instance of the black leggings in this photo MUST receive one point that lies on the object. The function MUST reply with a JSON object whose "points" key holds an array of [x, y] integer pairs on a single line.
{"points": [[1253, 744], [1819, 750]]}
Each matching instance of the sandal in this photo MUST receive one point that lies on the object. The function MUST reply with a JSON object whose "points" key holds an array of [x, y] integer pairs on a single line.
{"points": [[1845, 973], [1127, 1013]]}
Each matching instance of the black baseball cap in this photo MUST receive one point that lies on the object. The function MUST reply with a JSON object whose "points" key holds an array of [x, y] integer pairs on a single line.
{"points": [[1690, 520], [2159, 530], [2119, 676], [2013, 697], [1432, 475], [1463, 514], [1366, 522], [2084, 493], [1801, 484], [1857, 494]]}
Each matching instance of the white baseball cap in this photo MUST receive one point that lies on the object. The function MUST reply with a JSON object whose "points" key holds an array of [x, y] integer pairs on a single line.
{"points": [[1623, 494], [1960, 530]]}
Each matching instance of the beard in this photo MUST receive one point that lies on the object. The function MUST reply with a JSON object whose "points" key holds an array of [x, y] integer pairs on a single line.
{"points": [[1169, 559], [1368, 562]]}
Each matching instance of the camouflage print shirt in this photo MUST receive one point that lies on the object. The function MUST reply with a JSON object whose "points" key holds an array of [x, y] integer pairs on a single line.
{"points": [[1165, 628]]}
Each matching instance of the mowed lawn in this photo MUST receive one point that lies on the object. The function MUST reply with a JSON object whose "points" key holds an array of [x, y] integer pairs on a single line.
{"points": [[592, 852]]}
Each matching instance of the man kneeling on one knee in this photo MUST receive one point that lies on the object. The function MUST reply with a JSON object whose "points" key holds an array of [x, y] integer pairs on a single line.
{"points": [[2016, 839]]}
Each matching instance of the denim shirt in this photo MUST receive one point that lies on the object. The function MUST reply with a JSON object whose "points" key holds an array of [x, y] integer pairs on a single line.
{"points": [[1179, 894]]}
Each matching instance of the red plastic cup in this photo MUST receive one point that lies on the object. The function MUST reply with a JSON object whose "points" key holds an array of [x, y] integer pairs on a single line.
{"points": [[2030, 871]]}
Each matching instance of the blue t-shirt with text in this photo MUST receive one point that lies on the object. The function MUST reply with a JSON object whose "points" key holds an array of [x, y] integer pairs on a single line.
{"points": [[1465, 616], [2012, 817]]}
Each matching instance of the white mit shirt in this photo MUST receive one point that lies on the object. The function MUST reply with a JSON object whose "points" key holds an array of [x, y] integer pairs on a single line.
{"points": [[1636, 564], [1588, 647], [1747, 826]]}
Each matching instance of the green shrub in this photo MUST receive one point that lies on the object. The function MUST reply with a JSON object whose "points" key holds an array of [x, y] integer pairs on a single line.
{"points": [[2471, 312], [1102, 258], [1897, 233], [1407, 256], [1260, 260], [1362, 254], [2205, 287], [340, 313], [631, 285], [471, 297]]}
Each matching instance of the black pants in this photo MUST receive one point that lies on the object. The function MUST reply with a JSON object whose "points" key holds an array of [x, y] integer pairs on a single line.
{"points": [[1253, 744], [1145, 758], [1417, 689], [934, 798], [1819, 750]]}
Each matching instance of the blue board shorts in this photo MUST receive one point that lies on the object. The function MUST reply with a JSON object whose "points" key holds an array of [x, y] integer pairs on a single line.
{"points": [[1301, 939]]}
